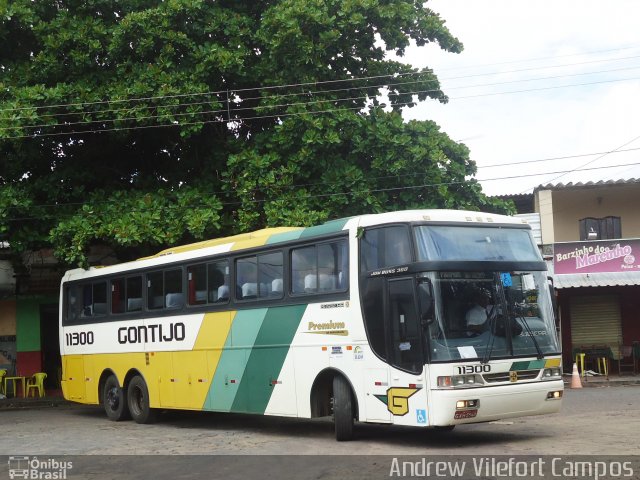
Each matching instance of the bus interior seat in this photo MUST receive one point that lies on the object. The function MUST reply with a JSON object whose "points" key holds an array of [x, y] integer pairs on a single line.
{"points": [[310, 283], [250, 290], [201, 296], [223, 293], [276, 287], [134, 304], [175, 300], [327, 282], [99, 308], [157, 302]]}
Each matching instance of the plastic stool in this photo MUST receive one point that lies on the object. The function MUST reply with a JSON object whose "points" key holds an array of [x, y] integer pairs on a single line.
{"points": [[580, 362]]}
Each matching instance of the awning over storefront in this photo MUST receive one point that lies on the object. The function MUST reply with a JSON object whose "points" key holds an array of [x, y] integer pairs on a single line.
{"points": [[610, 279]]}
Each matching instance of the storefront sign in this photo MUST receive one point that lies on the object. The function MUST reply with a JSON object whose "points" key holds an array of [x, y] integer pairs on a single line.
{"points": [[597, 256]]}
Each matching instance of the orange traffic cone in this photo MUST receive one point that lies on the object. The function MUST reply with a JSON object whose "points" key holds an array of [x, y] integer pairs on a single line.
{"points": [[575, 377]]}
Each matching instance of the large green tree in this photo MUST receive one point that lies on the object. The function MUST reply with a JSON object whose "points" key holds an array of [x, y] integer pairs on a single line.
{"points": [[153, 122]]}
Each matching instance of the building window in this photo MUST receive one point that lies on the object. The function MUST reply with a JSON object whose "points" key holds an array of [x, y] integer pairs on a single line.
{"points": [[600, 228]]}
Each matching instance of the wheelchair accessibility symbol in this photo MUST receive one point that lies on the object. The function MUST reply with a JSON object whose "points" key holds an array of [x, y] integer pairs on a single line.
{"points": [[421, 416]]}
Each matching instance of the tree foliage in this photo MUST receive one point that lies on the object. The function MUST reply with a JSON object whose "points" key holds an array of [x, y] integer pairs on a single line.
{"points": [[148, 122]]}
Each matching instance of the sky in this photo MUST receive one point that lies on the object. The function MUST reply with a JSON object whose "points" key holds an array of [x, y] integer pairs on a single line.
{"points": [[590, 106]]}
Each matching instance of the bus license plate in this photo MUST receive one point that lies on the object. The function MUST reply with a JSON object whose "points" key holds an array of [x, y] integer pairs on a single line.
{"points": [[465, 414]]}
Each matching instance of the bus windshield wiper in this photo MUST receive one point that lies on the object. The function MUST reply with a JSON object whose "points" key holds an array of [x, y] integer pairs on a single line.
{"points": [[492, 319], [527, 327], [493, 316]]}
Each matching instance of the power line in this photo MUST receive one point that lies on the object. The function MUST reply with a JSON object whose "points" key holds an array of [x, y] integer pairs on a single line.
{"points": [[307, 84], [509, 164], [383, 177], [283, 115], [351, 192], [630, 47], [268, 107], [595, 159]]}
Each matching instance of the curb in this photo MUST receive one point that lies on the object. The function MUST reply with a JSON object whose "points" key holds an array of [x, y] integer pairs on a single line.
{"points": [[26, 403], [606, 383]]}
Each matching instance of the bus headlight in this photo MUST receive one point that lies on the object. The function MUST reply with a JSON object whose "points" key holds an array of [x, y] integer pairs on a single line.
{"points": [[557, 395], [466, 404], [459, 381], [552, 373]]}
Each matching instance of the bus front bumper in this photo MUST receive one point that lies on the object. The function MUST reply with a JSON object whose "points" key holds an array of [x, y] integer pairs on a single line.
{"points": [[456, 406]]}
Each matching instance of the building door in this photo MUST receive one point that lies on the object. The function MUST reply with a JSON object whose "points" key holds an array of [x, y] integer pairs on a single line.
{"points": [[50, 346]]}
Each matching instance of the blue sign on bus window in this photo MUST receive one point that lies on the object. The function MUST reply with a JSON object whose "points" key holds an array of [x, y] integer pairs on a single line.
{"points": [[506, 279]]}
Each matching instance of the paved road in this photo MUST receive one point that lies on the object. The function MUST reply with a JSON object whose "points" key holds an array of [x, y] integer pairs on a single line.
{"points": [[593, 421]]}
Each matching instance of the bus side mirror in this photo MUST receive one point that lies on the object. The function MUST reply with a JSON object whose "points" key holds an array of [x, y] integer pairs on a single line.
{"points": [[425, 299], [552, 292]]}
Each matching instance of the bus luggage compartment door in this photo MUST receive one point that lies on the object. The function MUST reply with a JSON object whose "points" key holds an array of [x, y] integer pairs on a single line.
{"points": [[376, 385]]}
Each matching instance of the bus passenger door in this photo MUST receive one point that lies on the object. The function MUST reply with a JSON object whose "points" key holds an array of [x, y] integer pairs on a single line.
{"points": [[406, 396]]}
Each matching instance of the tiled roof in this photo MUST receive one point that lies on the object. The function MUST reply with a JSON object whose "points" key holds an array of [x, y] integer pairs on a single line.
{"points": [[559, 186]]}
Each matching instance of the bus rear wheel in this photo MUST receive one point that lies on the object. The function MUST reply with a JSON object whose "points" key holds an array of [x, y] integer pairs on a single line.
{"points": [[138, 400], [342, 409], [114, 400]]}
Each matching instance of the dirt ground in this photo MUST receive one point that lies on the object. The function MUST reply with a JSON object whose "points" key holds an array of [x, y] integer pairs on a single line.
{"points": [[593, 421]]}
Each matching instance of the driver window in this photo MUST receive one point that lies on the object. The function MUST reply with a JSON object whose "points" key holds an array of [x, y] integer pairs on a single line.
{"points": [[385, 247]]}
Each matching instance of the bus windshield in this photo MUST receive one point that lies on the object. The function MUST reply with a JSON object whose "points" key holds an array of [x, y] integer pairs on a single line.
{"points": [[451, 243], [484, 315]]}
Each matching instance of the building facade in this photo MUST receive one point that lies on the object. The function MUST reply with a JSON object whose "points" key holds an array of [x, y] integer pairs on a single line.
{"points": [[590, 236], [29, 315]]}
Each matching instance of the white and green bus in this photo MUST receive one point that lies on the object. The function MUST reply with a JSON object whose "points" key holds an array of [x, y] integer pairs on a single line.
{"points": [[425, 318]]}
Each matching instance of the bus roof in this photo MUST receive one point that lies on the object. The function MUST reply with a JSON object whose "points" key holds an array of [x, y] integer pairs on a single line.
{"points": [[269, 236], [279, 234]]}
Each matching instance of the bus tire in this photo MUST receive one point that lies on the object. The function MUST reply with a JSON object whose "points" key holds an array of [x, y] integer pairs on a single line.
{"points": [[114, 400], [342, 409], [138, 400]]}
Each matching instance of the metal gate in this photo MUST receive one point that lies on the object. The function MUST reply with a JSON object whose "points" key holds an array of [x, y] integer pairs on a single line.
{"points": [[596, 320]]}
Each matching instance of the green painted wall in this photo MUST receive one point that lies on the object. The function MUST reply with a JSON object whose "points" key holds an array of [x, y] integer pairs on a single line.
{"points": [[28, 322]]}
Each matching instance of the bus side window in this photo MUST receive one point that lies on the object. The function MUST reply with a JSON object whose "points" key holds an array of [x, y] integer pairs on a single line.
{"points": [[218, 280], [197, 284], [174, 298], [269, 270], [332, 266], [134, 294], [303, 270], [247, 278], [74, 305], [99, 299], [155, 289], [117, 295], [385, 247], [320, 269]]}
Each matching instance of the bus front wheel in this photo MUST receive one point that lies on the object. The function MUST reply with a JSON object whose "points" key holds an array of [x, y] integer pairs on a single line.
{"points": [[138, 400], [342, 409], [114, 401]]}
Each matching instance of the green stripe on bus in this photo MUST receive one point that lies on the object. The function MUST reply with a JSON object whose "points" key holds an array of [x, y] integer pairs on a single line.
{"points": [[332, 226], [233, 361], [528, 365], [267, 358]]}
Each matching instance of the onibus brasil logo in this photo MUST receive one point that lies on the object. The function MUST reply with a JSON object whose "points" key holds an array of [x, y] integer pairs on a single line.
{"points": [[33, 468]]}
